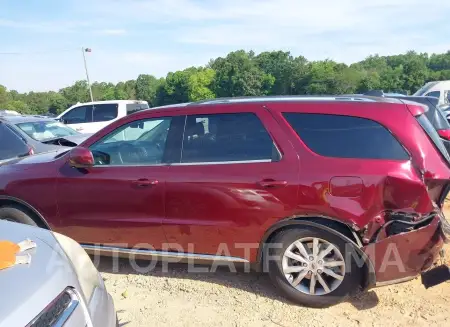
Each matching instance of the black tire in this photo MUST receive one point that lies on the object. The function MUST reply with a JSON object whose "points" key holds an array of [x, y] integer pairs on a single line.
{"points": [[352, 276], [16, 214]]}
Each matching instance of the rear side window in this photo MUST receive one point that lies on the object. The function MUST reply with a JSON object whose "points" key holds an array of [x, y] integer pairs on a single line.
{"points": [[346, 137], [134, 107], [11, 145], [105, 112], [224, 138]]}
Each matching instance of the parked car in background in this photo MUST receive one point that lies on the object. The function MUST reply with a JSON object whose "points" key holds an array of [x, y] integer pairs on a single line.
{"points": [[42, 134], [59, 286], [292, 185], [434, 114], [437, 89], [91, 117], [8, 113], [12, 145]]}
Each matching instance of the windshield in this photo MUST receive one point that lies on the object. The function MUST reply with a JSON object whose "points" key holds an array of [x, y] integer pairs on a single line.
{"points": [[46, 130]]}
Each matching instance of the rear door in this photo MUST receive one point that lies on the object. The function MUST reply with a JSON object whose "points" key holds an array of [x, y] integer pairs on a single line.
{"points": [[237, 175], [102, 115]]}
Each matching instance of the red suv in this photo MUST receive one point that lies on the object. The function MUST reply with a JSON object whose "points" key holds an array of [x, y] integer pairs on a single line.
{"points": [[328, 194]]}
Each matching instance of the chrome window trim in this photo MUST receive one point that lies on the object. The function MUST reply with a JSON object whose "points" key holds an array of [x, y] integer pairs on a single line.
{"points": [[65, 315], [99, 249], [128, 166], [221, 162]]}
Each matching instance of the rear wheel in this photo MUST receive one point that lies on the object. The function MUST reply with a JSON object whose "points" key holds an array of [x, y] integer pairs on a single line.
{"points": [[16, 214], [309, 266]]}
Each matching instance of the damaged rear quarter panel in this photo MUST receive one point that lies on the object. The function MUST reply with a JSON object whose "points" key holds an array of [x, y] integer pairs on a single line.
{"points": [[407, 254]]}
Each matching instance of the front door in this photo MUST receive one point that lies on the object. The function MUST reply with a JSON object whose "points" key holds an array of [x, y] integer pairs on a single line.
{"points": [[79, 118], [120, 201], [234, 180]]}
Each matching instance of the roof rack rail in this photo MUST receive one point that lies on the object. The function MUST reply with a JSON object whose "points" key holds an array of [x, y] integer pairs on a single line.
{"points": [[361, 98]]}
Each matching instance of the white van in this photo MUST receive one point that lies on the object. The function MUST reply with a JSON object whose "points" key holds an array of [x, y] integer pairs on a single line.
{"points": [[437, 89], [90, 117]]}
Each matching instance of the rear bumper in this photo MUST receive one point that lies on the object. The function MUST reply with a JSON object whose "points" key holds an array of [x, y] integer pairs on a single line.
{"points": [[403, 256]]}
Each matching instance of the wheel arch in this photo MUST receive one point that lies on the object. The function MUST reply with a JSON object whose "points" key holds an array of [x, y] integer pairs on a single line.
{"points": [[330, 225], [28, 208]]}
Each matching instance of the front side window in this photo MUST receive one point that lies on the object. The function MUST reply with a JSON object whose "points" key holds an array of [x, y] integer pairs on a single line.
{"points": [[346, 137], [105, 112], [11, 145], [137, 143], [229, 137], [78, 115], [46, 130]]}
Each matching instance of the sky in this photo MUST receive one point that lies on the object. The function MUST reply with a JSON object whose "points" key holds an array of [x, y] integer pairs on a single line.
{"points": [[41, 40]]}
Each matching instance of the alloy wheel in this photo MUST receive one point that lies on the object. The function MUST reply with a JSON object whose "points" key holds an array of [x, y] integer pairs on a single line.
{"points": [[313, 266]]}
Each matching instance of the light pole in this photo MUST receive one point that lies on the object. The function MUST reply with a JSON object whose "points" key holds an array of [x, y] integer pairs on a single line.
{"points": [[83, 50]]}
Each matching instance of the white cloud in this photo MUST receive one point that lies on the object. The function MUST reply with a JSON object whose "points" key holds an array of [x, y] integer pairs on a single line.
{"points": [[52, 26], [167, 35]]}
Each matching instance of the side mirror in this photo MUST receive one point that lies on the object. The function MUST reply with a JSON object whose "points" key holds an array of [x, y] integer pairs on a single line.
{"points": [[80, 157]]}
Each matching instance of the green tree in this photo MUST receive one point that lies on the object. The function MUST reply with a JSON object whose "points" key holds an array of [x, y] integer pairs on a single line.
{"points": [[78, 92], [4, 96], [238, 75], [200, 84], [18, 106], [57, 103], [286, 70], [146, 88]]}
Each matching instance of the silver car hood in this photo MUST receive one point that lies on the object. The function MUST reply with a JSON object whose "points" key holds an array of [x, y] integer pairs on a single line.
{"points": [[27, 289]]}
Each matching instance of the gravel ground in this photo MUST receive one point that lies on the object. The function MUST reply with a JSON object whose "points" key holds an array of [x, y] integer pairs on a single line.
{"points": [[179, 298]]}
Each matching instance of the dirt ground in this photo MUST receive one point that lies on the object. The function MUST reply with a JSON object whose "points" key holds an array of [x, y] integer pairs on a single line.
{"points": [[179, 298]]}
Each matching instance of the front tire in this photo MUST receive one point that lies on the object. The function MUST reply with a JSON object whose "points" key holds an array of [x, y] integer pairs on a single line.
{"points": [[310, 267], [16, 214]]}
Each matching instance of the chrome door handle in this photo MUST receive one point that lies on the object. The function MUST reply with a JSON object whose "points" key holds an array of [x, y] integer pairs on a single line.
{"points": [[143, 182], [268, 183]]}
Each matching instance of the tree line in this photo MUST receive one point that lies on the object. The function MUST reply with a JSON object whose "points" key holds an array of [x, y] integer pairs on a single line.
{"points": [[243, 73]]}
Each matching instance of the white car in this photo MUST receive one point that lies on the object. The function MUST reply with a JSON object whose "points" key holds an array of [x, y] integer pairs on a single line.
{"points": [[90, 117], [437, 89], [53, 283]]}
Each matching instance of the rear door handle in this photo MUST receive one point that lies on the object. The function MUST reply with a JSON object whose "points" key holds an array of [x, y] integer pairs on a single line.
{"points": [[268, 183], [144, 182]]}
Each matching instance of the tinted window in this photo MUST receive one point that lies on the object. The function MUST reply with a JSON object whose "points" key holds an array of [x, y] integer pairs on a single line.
{"points": [[134, 107], [435, 94], [226, 137], [138, 143], [105, 112], [346, 137], [11, 145], [78, 115]]}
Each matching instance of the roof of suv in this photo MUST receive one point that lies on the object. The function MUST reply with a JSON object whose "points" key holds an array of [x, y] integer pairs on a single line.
{"points": [[286, 98]]}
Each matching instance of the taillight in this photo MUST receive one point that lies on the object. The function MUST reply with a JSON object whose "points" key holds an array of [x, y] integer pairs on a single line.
{"points": [[444, 133]]}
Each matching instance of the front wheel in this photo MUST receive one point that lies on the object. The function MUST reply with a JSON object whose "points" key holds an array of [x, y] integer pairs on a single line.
{"points": [[309, 266]]}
